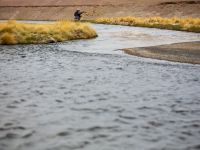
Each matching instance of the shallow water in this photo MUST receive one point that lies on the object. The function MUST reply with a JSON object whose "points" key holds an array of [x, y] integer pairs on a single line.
{"points": [[112, 38], [82, 95]]}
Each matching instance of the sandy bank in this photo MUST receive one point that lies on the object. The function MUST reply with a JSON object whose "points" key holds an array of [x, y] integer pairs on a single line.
{"points": [[188, 52]]}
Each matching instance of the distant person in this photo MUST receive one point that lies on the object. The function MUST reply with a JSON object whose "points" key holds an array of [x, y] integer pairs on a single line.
{"points": [[78, 14]]}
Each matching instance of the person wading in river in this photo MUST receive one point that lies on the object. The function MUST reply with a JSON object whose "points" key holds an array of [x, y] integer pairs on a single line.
{"points": [[78, 15]]}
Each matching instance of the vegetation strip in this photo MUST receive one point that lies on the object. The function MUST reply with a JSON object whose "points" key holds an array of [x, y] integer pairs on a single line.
{"points": [[12, 32], [179, 24]]}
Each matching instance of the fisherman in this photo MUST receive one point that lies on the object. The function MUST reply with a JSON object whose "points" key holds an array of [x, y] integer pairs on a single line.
{"points": [[78, 14]]}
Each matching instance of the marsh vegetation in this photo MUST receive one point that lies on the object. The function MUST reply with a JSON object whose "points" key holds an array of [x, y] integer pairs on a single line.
{"points": [[13, 32], [180, 24]]}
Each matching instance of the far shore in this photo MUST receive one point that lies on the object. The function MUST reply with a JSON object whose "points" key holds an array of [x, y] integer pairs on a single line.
{"points": [[187, 52], [64, 9]]}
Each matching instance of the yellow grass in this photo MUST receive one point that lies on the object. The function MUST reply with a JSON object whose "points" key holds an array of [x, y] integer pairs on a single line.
{"points": [[12, 32], [181, 24]]}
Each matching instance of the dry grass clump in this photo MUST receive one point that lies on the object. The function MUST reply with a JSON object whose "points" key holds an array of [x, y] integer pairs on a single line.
{"points": [[12, 32], [8, 38], [181, 24]]}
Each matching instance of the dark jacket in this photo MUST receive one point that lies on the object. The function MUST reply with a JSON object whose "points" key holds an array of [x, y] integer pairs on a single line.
{"points": [[78, 13]]}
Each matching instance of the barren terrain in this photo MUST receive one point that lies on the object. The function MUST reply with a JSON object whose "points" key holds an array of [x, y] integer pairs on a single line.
{"points": [[63, 9]]}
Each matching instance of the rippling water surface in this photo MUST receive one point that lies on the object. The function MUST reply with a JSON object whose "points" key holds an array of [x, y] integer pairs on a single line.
{"points": [[66, 96]]}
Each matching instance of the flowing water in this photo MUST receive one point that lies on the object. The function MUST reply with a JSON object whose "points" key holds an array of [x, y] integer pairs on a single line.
{"points": [[88, 95]]}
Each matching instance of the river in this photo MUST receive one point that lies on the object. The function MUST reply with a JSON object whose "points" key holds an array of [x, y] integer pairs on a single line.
{"points": [[89, 95]]}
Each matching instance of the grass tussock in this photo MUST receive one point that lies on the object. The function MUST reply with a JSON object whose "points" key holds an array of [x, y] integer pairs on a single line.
{"points": [[12, 32], [180, 24]]}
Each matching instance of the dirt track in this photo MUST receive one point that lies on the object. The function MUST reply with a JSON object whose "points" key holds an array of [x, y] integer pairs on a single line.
{"points": [[53, 10]]}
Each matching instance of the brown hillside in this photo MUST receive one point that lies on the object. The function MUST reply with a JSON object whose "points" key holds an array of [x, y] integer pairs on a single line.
{"points": [[63, 9]]}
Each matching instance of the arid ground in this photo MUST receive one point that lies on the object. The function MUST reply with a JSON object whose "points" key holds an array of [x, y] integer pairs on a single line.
{"points": [[63, 9]]}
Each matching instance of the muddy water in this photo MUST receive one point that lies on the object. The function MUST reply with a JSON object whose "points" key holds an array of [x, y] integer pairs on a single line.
{"points": [[64, 97]]}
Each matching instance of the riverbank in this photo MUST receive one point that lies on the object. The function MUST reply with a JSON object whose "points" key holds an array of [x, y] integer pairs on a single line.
{"points": [[179, 24], [64, 9], [188, 52], [12, 32]]}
